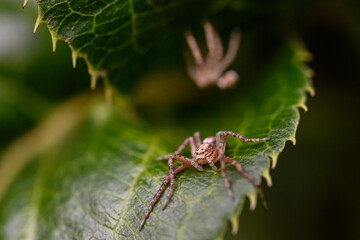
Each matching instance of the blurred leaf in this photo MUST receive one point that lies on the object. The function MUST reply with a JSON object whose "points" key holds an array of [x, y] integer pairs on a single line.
{"points": [[99, 182], [17, 111], [32, 78]]}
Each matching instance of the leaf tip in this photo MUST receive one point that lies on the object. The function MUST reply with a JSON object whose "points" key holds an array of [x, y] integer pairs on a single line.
{"points": [[310, 90], [37, 23], [74, 57], [24, 4], [95, 75], [274, 159], [303, 106], [234, 224], [301, 52], [252, 199], [54, 40], [267, 177], [305, 55], [93, 81], [293, 140]]}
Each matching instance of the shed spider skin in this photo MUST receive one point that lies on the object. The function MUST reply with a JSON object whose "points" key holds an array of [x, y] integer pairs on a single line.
{"points": [[209, 151], [211, 70]]}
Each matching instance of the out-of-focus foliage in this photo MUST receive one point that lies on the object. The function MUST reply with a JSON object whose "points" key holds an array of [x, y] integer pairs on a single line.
{"points": [[32, 78]]}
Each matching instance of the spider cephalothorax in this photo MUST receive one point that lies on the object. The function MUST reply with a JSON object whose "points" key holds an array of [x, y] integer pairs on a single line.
{"points": [[208, 151], [210, 71]]}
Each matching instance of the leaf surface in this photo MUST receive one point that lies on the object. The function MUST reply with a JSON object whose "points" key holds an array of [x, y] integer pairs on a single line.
{"points": [[98, 183]]}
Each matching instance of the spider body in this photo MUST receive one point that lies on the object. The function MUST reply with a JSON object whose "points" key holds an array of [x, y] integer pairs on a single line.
{"points": [[210, 71], [205, 152], [209, 151]]}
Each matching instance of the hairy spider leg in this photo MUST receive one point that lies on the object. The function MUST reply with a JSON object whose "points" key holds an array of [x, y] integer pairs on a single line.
{"points": [[184, 160], [226, 180], [195, 50], [211, 162], [172, 180], [248, 176], [159, 192], [228, 79], [197, 140], [194, 142], [239, 167], [232, 50], [221, 143], [222, 135], [214, 44]]}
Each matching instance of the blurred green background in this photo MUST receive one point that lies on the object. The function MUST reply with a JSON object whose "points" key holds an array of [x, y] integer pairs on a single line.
{"points": [[315, 192]]}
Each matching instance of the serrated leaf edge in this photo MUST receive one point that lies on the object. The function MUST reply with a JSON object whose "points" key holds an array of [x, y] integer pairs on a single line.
{"points": [[301, 57], [94, 73]]}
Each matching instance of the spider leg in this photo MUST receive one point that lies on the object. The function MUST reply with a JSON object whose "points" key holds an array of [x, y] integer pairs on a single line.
{"points": [[228, 79], [197, 140], [193, 141], [248, 176], [191, 68], [211, 163], [185, 161], [239, 167], [221, 139], [213, 42], [190, 39], [233, 47], [172, 181], [159, 192], [226, 180]]}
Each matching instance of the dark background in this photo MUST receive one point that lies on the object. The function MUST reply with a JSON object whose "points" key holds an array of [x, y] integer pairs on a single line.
{"points": [[316, 192]]}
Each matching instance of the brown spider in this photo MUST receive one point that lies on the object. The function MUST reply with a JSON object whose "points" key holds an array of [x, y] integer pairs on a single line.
{"points": [[211, 71], [209, 151]]}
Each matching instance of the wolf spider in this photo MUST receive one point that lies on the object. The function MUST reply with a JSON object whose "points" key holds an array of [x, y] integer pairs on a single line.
{"points": [[208, 151], [211, 70]]}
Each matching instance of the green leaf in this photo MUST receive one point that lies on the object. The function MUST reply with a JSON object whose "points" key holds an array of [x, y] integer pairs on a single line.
{"points": [[97, 184]]}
